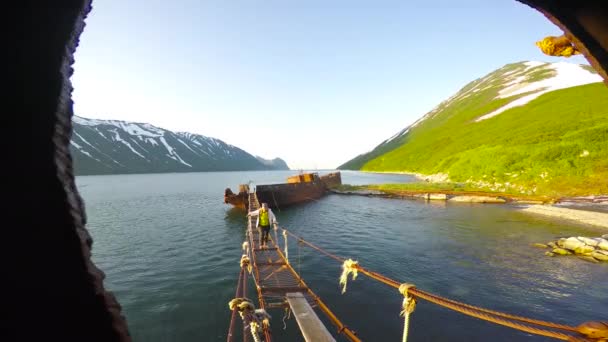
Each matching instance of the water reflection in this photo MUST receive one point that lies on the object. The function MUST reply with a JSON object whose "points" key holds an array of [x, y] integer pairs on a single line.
{"points": [[236, 216]]}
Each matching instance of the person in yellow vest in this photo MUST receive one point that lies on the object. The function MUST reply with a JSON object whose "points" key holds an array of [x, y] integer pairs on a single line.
{"points": [[265, 219]]}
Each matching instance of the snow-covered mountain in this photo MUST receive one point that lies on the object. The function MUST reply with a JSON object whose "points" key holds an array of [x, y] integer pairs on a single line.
{"points": [[113, 146]]}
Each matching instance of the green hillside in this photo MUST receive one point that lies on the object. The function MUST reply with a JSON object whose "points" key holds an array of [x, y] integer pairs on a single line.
{"points": [[556, 144]]}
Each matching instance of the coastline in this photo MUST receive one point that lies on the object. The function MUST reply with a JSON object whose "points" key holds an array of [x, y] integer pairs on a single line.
{"points": [[534, 206], [437, 177], [594, 218]]}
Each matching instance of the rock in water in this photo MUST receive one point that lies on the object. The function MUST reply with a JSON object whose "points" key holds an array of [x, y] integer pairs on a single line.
{"points": [[561, 251], [552, 244], [540, 245], [550, 254], [603, 244], [561, 241], [588, 241], [584, 249], [600, 255], [573, 243], [587, 258]]}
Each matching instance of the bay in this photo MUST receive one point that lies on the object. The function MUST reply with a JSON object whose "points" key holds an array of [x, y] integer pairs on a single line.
{"points": [[170, 249]]}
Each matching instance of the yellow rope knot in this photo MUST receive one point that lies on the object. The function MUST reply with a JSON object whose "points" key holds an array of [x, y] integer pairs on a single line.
{"points": [[408, 306], [245, 262], [557, 46], [349, 266], [262, 316], [409, 302], [248, 312], [241, 304]]}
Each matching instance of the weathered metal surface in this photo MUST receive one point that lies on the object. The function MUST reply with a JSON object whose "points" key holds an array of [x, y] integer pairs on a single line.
{"points": [[239, 200], [300, 188], [332, 179]]}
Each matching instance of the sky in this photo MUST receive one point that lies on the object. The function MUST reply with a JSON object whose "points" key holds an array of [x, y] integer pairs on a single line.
{"points": [[314, 82]]}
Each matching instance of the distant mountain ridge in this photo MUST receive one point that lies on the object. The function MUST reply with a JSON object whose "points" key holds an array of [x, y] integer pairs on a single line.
{"points": [[275, 164], [525, 127], [114, 147]]}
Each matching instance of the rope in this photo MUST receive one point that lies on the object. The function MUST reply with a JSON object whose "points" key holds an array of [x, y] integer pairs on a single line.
{"points": [[244, 294], [262, 316], [275, 201], [286, 251], [286, 315], [299, 263], [409, 304], [335, 257], [245, 262], [348, 267], [254, 327], [258, 319], [557, 46], [276, 238], [470, 310], [233, 315]]}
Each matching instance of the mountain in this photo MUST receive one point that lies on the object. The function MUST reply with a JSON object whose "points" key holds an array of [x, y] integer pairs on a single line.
{"points": [[527, 127], [274, 164], [112, 147]]}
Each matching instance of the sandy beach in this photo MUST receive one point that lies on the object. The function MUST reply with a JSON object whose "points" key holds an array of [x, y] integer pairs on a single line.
{"points": [[582, 216]]}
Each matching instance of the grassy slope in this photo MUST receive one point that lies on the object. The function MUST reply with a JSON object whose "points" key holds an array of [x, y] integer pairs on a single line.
{"points": [[537, 148]]}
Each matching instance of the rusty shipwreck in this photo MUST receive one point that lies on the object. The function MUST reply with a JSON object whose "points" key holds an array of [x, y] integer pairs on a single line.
{"points": [[299, 188]]}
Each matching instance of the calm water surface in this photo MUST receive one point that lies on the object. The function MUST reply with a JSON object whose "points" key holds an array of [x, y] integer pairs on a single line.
{"points": [[170, 249]]}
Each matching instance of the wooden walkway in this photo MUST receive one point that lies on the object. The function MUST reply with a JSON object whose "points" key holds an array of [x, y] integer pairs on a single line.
{"points": [[274, 276], [280, 286]]}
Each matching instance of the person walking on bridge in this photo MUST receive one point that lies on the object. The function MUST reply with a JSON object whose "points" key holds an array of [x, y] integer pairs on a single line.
{"points": [[265, 219]]}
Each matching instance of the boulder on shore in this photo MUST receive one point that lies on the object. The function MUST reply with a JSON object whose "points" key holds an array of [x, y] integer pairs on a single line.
{"points": [[589, 249], [476, 199]]}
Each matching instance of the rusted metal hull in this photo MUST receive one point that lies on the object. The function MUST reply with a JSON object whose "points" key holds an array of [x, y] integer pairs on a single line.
{"points": [[238, 200], [285, 194]]}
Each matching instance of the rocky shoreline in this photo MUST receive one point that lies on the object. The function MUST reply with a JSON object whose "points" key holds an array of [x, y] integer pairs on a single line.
{"points": [[538, 207], [590, 249], [431, 196]]}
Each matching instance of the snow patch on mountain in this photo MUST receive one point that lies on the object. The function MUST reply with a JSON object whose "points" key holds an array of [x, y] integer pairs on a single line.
{"points": [[118, 138], [97, 148], [565, 75], [172, 153]]}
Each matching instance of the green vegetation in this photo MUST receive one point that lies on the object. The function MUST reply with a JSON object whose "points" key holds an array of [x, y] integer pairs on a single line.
{"points": [[556, 145]]}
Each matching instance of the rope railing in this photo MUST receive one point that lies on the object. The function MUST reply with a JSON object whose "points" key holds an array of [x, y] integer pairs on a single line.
{"points": [[589, 329], [233, 315], [250, 248]]}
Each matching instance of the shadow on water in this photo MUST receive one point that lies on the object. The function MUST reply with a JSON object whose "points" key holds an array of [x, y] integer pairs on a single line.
{"points": [[235, 216]]}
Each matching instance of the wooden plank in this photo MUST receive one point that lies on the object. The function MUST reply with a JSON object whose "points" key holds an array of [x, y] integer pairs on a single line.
{"points": [[310, 325]]}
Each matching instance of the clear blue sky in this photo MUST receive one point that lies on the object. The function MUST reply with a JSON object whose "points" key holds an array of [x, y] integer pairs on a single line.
{"points": [[315, 82]]}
